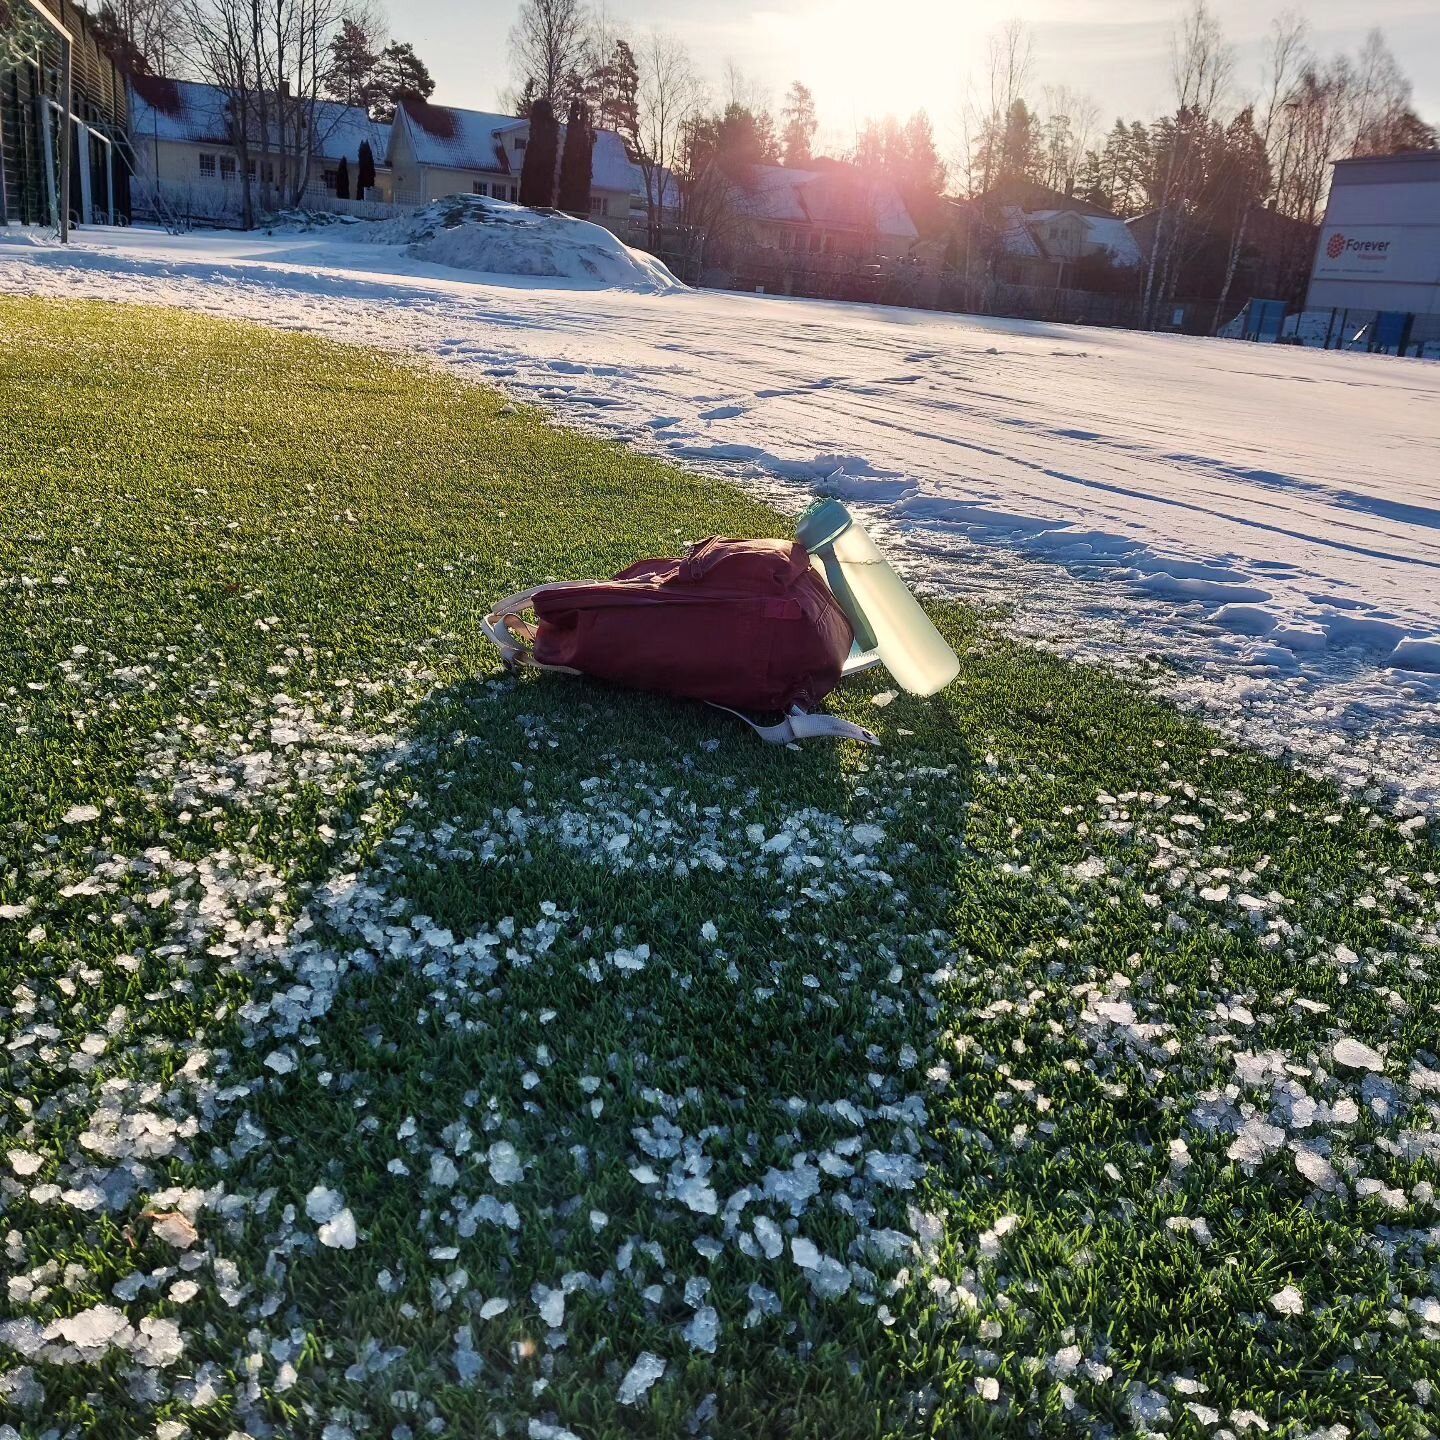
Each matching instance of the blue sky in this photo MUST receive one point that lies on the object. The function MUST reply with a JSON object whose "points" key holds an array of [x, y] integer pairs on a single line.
{"points": [[862, 58]]}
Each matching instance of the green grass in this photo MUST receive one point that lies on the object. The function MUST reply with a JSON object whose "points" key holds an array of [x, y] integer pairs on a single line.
{"points": [[239, 579]]}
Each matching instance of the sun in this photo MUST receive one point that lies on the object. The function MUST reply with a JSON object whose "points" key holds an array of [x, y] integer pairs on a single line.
{"points": [[862, 60]]}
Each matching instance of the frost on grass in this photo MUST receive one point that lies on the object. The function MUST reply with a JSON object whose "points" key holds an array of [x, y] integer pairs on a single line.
{"points": [[286, 954], [730, 1217]]}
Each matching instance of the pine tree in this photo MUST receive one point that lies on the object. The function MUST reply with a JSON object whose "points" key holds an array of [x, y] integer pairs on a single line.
{"points": [[399, 75], [1090, 183], [1020, 148], [576, 160], [798, 134], [365, 173], [745, 137], [924, 175], [537, 174], [342, 179], [525, 100], [614, 89], [353, 58]]}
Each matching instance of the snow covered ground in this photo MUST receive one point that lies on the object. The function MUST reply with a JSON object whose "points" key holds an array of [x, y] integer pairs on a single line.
{"points": [[1261, 520]]}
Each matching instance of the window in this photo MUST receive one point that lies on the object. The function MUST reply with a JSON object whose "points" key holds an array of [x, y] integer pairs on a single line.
{"points": [[597, 204], [514, 193], [207, 166], [250, 168], [479, 187], [227, 167], [814, 245], [520, 143], [327, 178]]}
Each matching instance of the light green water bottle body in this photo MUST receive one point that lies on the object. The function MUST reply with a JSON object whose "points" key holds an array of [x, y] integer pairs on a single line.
{"points": [[877, 600]]}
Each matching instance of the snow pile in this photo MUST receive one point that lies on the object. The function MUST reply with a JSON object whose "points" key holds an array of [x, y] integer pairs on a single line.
{"points": [[470, 232]]}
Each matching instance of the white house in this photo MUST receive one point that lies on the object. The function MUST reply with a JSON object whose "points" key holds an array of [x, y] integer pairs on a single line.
{"points": [[831, 211], [439, 150], [1045, 242], [182, 136]]}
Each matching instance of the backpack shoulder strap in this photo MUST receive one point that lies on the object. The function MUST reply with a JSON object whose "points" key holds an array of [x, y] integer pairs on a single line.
{"points": [[798, 725], [514, 636]]}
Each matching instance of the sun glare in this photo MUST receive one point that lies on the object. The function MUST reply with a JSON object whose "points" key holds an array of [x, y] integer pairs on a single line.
{"points": [[861, 61]]}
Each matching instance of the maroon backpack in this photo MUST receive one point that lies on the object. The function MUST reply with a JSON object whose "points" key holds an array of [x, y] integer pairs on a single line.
{"points": [[741, 624]]}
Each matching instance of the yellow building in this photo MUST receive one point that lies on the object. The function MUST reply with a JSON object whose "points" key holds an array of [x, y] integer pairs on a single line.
{"points": [[185, 159], [438, 150]]}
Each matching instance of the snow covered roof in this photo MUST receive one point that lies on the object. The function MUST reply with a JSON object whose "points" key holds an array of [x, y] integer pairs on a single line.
{"points": [[177, 110], [1112, 234], [455, 139], [1105, 232], [1015, 236], [838, 198], [192, 113], [341, 129]]}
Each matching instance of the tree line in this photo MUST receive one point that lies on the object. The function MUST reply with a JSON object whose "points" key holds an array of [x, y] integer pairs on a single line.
{"points": [[1213, 171], [1208, 170], [685, 138]]}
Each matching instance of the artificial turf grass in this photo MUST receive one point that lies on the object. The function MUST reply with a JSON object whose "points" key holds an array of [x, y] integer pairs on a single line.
{"points": [[437, 474]]}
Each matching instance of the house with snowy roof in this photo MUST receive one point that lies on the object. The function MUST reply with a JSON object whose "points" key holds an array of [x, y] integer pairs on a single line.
{"points": [[1044, 244], [835, 210], [440, 150], [183, 138]]}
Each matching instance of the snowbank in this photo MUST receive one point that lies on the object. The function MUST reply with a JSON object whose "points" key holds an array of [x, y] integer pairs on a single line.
{"points": [[470, 232]]}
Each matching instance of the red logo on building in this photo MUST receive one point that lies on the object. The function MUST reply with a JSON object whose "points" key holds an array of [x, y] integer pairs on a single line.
{"points": [[1336, 246]]}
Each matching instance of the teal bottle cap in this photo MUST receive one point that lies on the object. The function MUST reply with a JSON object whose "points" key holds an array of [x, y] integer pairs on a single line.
{"points": [[824, 522]]}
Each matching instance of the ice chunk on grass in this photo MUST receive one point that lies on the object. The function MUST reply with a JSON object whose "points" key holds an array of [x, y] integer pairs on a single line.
{"points": [[646, 1370]]}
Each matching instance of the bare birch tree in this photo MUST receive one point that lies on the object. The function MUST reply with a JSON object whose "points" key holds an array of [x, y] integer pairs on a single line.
{"points": [[268, 59], [548, 42], [1008, 72], [220, 38], [669, 98], [1201, 65]]}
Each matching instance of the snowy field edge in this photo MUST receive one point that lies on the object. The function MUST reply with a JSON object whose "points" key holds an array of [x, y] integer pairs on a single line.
{"points": [[1249, 529]]}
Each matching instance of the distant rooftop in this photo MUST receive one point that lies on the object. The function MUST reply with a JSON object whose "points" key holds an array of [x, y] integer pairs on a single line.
{"points": [[189, 112], [454, 139]]}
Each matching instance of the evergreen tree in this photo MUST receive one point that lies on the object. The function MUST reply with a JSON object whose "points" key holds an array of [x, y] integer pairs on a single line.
{"points": [[365, 173], [1090, 183], [342, 179], [924, 174], [614, 89], [114, 37], [351, 72], [798, 134], [525, 99], [743, 136], [1020, 157], [537, 174], [575, 160], [399, 75], [882, 146]]}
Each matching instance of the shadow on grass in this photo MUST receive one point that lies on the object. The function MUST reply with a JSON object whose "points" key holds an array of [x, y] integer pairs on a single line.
{"points": [[558, 1048]]}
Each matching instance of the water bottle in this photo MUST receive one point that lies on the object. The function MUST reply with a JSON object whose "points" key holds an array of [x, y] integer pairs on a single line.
{"points": [[885, 616]]}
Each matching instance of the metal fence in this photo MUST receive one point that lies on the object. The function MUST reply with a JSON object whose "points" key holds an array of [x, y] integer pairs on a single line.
{"points": [[221, 202], [1374, 331]]}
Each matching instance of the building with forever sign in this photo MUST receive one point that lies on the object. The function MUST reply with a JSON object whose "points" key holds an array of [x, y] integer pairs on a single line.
{"points": [[1379, 246]]}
